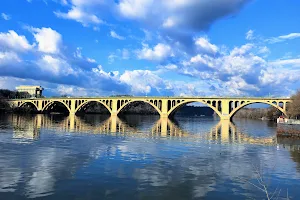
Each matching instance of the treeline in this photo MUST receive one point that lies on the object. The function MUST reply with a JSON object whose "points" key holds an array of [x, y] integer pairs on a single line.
{"points": [[8, 94], [195, 111], [146, 109], [139, 108], [258, 113], [132, 108]]}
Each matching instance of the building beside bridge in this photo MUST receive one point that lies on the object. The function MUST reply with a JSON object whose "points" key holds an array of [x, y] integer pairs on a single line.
{"points": [[34, 91]]}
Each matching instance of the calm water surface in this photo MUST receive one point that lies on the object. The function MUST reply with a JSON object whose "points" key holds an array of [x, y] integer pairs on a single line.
{"points": [[144, 157]]}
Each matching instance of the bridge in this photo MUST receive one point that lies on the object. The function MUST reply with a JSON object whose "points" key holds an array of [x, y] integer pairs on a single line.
{"points": [[224, 107]]}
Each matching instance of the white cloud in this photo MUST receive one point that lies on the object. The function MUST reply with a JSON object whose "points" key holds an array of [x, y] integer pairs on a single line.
{"points": [[244, 49], [118, 55], [7, 58], [111, 58], [158, 53], [205, 46], [239, 67], [264, 50], [189, 14], [84, 11], [77, 53], [293, 62], [135, 9], [71, 90], [80, 16], [91, 60], [108, 77], [49, 41], [13, 41], [169, 67], [84, 3], [240, 61], [290, 36], [55, 66], [243, 72], [279, 77], [169, 22], [283, 38], [52, 65], [250, 35], [203, 59], [5, 16], [142, 81], [237, 85], [115, 35]]}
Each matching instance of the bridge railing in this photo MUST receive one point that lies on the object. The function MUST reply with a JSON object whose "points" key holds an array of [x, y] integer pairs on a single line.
{"points": [[159, 97]]}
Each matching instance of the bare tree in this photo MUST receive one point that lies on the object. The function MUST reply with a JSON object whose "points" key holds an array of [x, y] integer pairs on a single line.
{"points": [[263, 184], [293, 108]]}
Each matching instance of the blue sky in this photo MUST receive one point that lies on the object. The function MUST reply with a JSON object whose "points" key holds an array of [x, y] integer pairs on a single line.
{"points": [[151, 47]]}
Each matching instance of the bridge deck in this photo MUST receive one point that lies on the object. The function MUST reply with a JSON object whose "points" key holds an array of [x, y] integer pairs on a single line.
{"points": [[161, 97]]}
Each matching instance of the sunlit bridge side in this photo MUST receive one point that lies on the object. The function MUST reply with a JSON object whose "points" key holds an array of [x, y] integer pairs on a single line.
{"points": [[224, 107]]}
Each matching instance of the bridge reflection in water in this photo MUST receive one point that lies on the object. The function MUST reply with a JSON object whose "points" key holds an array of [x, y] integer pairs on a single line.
{"points": [[222, 132]]}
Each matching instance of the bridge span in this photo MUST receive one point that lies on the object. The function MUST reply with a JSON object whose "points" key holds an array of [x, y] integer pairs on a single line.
{"points": [[224, 107]]}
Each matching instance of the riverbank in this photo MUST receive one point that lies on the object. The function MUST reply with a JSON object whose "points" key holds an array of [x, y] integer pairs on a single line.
{"points": [[288, 121], [288, 130]]}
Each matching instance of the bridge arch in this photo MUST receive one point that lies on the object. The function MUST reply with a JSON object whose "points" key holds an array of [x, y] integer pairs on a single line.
{"points": [[275, 105], [183, 103], [126, 103], [28, 103], [46, 107], [87, 102]]}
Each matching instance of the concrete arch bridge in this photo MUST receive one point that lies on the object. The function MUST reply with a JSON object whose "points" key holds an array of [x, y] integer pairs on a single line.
{"points": [[224, 107]]}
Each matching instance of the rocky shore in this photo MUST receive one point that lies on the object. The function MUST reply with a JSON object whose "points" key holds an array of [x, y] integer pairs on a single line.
{"points": [[286, 130]]}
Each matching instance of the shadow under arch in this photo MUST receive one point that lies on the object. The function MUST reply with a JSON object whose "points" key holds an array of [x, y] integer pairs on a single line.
{"points": [[86, 103], [28, 103], [174, 109], [51, 104], [235, 110], [127, 103]]}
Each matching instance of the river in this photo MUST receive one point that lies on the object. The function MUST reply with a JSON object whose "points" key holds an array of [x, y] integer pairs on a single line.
{"points": [[144, 157]]}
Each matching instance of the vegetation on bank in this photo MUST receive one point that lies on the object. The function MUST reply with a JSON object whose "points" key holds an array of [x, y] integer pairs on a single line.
{"points": [[258, 113], [8, 94], [293, 108], [290, 131]]}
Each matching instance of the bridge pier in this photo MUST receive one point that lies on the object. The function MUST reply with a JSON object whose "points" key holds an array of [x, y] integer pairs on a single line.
{"points": [[225, 117], [114, 114], [164, 115]]}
